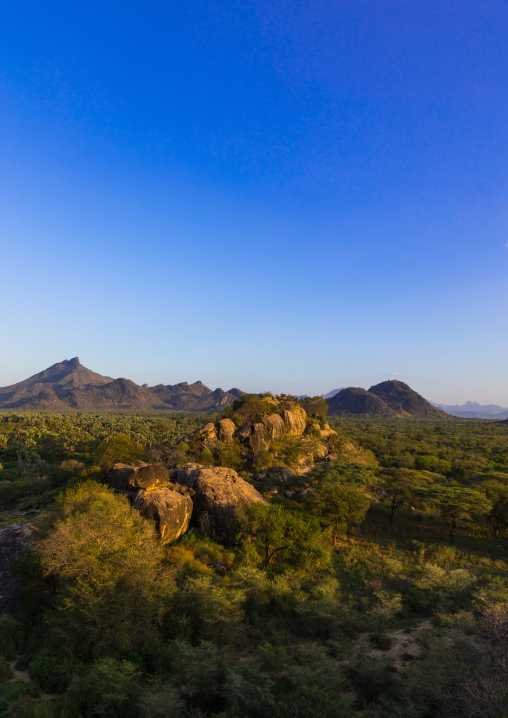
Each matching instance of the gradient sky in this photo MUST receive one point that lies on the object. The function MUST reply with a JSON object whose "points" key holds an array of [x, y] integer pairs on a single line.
{"points": [[288, 196]]}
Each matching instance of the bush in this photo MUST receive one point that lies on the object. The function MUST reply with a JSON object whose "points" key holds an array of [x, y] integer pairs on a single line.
{"points": [[109, 688], [371, 677], [208, 611], [51, 672], [5, 670], [11, 635]]}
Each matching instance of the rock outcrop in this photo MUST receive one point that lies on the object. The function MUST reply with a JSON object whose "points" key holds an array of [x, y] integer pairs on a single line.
{"points": [[259, 437], [275, 426], [295, 420], [259, 431], [221, 496], [225, 430], [119, 475], [131, 477], [150, 477], [170, 507]]}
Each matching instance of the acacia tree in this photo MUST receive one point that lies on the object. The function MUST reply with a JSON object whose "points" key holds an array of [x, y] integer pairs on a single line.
{"points": [[497, 494], [339, 506], [118, 448], [279, 533], [397, 486], [459, 507], [105, 563]]}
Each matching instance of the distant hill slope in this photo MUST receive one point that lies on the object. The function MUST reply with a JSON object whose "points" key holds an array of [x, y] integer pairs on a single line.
{"points": [[51, 385], [388, 399], [355, 400], [69, 386], [403, 400], [473, 410]]}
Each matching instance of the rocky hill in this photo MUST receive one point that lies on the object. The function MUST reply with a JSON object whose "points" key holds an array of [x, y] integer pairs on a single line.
{"points": [[355, 400], [404, 400], [69, 386], [389, 399], [265, 434]]}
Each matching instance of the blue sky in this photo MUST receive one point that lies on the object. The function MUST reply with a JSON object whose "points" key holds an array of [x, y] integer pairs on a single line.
{"points": [[291, 196]]}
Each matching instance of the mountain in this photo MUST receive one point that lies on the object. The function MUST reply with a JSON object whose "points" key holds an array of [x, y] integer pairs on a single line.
{"points": [[355, 400], [51, 385], [473, 410], [388, 399], [324, 396], [69, 386], [332, 393], [404, 400]]}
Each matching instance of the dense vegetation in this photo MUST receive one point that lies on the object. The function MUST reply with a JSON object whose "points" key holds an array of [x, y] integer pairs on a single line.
{"points": [[376, 585]]}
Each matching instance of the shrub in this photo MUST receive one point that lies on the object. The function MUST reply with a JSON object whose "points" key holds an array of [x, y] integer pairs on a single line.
{"points": [[51, 672], [109, 688], [5, 670]]}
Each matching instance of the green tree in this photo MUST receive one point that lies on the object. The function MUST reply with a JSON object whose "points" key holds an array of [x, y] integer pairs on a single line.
{"points": [[315, 406], [497, 494], [397, 486], [118, 448], [279, 533], [339, 506], [104, 560], [343, 472], [459, 507]]}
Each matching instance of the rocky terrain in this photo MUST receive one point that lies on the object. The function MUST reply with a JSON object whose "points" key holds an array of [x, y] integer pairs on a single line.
{"points": [[269, 436], [211, 497]]}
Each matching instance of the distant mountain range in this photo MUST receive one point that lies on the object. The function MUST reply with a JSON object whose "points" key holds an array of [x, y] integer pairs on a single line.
{"points": [[473, 410], [69, 386]]}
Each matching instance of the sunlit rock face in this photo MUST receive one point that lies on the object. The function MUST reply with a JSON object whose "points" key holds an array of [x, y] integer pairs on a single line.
{"points": [[170, 507], [221, 497]]}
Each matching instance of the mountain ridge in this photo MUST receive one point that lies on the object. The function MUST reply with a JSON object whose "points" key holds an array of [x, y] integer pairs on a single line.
{"points": [[474, 410], [70, 386]]}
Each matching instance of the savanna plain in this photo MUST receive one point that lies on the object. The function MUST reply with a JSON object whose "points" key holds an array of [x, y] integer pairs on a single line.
{"points": [[365, 575]]}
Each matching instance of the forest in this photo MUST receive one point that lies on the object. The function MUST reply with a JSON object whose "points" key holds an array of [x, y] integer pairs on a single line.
{"points": [[371, 585]]}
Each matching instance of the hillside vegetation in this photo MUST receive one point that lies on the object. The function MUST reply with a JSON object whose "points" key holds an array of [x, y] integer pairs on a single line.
{"points": [[369, 580]]}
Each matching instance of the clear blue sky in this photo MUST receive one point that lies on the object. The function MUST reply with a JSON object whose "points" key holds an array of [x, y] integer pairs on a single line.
{"points": [[294, 196]]}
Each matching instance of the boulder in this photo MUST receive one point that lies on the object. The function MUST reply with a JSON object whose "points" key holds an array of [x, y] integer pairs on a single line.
{"points": [[294, 421], [207, 434], [186, 475], [149, 477], [244, 432], [118, 477], [225, 430], [221, 497], [274, 425], [169, 507], [260, 438], [319, 451]]}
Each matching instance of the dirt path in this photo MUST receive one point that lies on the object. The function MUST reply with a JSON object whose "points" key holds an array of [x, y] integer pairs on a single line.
{"points": [[404, 647]]}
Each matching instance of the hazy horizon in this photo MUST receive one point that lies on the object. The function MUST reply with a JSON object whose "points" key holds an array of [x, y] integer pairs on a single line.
{"points": [[290, 197]]}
